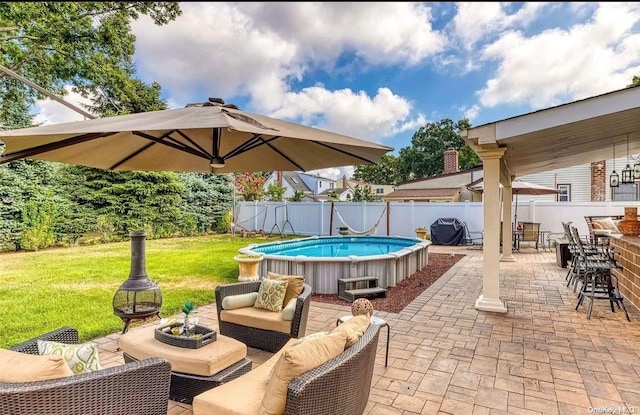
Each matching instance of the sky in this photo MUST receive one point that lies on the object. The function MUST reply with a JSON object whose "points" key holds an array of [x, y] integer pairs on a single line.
{"points": [[379, 71]]}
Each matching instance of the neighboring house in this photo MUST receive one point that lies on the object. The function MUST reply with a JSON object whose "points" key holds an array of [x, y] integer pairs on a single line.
{"points": [[581, 183], [378, 190], [310, 185], [451, 186], [317, 188], [338, 194]]}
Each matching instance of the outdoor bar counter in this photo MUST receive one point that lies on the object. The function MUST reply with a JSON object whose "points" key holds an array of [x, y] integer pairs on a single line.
{"points": [[627, 254]]}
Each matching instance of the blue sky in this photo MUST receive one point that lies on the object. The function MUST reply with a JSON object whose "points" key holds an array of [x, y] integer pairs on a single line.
{"points": [[378, 71]]}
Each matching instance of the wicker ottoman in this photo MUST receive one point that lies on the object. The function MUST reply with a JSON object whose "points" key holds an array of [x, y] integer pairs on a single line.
{"points": [[193, 371]]}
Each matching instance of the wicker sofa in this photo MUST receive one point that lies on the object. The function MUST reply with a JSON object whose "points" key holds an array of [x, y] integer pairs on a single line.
{"points": [[140, 388], [339, 386], [253, 336]]}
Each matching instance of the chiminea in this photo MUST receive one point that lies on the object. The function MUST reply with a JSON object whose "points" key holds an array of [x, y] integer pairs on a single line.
{"points": [[138, 297]]}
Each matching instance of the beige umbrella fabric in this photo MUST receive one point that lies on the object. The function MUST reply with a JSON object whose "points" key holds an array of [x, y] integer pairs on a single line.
{"points": [[520, 187], [209, 137]]}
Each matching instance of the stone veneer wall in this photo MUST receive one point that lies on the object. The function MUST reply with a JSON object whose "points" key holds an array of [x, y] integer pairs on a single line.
{"points": [[598, 181], [628, 256]]}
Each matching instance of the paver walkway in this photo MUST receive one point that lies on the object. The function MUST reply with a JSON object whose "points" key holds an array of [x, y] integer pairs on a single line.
{"points": [[541, 357]]}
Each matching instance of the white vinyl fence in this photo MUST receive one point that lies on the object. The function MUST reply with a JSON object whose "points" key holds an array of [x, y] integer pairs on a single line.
{"points": [[402, 218]]}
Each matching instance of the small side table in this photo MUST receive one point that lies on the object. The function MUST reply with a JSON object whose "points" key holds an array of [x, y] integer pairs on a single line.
{"points": [[374, 320], [563, 255]]}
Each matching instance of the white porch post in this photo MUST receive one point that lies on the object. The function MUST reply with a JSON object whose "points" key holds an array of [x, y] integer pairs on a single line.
{"points": [[507, 231], [490, 300]]}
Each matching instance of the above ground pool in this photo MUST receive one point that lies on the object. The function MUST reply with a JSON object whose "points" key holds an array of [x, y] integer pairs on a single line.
{"points": [[322, 260]]}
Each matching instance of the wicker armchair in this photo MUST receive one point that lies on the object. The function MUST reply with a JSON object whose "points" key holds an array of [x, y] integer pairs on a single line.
{"points": [[140, 388], [268, 340], [340, 386]]}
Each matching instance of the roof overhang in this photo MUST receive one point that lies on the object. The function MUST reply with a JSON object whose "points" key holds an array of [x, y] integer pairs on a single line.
{"points": [[576, 133]]}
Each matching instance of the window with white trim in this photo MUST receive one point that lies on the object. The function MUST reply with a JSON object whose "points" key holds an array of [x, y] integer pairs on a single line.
{"points": [[564, 194]]}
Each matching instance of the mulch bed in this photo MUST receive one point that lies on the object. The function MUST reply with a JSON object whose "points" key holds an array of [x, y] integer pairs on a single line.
{"points": [[405, 291]]}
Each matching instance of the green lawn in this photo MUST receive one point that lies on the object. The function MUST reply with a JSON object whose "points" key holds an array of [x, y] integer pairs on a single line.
{"points": [[41, 291]]}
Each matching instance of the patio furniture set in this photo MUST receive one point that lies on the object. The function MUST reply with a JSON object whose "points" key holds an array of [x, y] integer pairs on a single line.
{"points": [[215, 375]]}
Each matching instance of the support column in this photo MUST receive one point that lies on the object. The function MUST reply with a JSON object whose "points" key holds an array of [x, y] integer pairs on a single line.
{"points": [[507, 227], [490, 300]]}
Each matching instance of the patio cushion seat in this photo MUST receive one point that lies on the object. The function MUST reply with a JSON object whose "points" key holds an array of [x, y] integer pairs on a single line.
{"points": [[259, 328], [251, 387], [205, 361], [256, 317]]}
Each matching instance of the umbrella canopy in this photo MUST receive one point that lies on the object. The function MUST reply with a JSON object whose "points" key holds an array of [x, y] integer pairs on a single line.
{"points": [[521, 187], [209, 137]]}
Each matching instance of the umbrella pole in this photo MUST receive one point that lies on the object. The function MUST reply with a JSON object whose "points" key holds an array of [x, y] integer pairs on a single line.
{"points": [[515, 213]]}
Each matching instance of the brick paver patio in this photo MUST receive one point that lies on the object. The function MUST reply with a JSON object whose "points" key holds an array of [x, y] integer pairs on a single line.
{"points": [[542, 357]]}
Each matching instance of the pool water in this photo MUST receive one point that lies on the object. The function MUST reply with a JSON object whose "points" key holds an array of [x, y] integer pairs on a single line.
{"points": [[336, 247]]}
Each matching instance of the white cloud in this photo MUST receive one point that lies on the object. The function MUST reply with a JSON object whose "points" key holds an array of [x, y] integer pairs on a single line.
{"points": [[472, 113], [350, 113], [474, 22], [259, 49], [49, 111], [557, 66]]}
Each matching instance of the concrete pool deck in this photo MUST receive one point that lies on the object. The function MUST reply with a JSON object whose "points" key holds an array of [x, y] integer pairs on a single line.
{"points": [[446, 357]]}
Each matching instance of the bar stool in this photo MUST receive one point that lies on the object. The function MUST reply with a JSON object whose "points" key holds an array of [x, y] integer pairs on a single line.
{"points": [[598, 283], [374, 320]]}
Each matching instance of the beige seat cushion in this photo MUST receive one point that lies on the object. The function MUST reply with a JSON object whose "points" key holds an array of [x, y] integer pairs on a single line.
{"points": [[295, 285], [354, 328], [223, 400], [205, 361], [23, 367], [295, 361], [256, 317]]}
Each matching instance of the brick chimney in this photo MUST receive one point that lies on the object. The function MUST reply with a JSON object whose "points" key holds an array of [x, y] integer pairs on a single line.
{"points": [[598, 181], [451, 161]]}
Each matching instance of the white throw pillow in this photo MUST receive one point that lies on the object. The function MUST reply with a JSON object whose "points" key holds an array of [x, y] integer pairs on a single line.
{"points": [[231, 302], [290, 310]]}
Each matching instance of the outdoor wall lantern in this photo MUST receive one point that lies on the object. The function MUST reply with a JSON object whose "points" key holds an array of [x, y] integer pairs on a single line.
{"points": [[614, 179], [627, 173]]}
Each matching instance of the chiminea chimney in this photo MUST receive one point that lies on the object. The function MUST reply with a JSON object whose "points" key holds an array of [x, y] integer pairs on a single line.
{"points": [[451, 161], [138, 297]]}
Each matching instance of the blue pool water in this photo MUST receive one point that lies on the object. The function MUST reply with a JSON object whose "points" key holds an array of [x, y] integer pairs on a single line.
{"points": [[336, 246]]}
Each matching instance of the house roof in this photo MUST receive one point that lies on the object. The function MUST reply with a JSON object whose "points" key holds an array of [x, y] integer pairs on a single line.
{"points": [[338, 191], [294, 180], [579, 132], [424, 193], [438, 176]]}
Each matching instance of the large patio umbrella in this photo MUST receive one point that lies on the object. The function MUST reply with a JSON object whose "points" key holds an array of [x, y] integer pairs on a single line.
{"points": [[519, 187], [210, 137]]}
